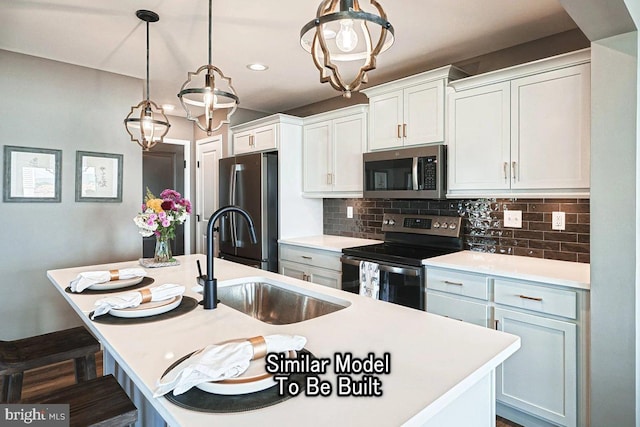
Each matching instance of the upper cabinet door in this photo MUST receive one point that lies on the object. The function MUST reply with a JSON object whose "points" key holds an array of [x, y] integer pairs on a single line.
{"points": [[550, 136], [349, 140], [479, 132], [242, 142], [424, 113], [265, 138], [316, 148], [385, 121]]}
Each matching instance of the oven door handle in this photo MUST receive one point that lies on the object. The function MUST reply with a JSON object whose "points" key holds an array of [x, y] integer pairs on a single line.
{"points": [[405, 271]]}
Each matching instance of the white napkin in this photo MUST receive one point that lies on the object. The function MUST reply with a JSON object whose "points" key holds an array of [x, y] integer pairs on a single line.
{"points": [[89, 278], [133, 299], [219, 362], [369, 279]]}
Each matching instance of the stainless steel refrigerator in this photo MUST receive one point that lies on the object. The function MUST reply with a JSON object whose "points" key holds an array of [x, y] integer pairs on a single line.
{"points": [[251, 182]]}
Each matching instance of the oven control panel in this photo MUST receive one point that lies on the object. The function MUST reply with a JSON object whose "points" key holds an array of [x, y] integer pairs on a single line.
{"points": [[435, 225]]}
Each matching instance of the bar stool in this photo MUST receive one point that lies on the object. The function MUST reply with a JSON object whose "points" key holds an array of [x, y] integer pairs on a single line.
{"points": [[42, 350], [97, 402]]}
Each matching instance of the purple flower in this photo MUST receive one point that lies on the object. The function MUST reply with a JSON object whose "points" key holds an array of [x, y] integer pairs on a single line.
{"points": [[153, 217], [186, 204], [171, 195], [157, 233], [150, 221], [162, 215], [167, 205], [166, 222], [144, 206]]}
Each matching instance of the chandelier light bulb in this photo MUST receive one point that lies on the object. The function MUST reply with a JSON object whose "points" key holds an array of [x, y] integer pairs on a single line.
{"points": [[347, 38]]}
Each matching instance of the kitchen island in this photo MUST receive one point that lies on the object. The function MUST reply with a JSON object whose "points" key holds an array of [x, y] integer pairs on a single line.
{"points": [[441, 370]]}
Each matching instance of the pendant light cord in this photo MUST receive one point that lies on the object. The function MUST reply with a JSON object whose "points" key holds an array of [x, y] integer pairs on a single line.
{"points": [[147, 60], [210, 30]]}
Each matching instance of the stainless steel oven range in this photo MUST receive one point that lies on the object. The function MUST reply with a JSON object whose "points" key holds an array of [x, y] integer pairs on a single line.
{"points": [[408, 240]]}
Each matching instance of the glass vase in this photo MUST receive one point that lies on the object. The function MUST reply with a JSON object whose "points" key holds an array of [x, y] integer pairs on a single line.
{"points": [[163, 249]]}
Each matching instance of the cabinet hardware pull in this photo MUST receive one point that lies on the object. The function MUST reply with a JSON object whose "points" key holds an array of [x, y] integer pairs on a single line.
{"points": [[304, 276], [513, 167], [531, 298], [330, 178], [504, 170], [399, 135], [495, 324], [404, 130], [306, 257], [308, 277], [453, 283]]}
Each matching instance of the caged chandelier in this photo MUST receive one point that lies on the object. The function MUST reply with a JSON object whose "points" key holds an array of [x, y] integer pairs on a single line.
{"points": [[146, 123], [217, 94], [346, 36]]}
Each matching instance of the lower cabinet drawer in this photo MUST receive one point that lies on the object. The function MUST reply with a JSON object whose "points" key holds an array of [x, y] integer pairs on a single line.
{"points": [[320, 276], [558, 302], [459, 309], [458, 282], [310, 256]]}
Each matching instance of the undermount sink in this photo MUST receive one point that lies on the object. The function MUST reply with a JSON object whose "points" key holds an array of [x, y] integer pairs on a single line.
{"points": [[276, 303]]}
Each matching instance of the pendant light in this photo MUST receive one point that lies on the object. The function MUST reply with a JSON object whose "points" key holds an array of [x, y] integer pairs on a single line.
{"points": [[146, 123], [216, 94], [341, 33]]}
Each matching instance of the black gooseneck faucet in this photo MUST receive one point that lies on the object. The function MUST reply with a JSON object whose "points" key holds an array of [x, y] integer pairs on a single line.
{"points": [[209, 282]]}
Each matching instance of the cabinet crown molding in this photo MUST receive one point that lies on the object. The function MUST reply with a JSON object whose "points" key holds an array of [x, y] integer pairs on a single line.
{"points": [[447, 72], [565, 60], [268, 120], [335, 114]]}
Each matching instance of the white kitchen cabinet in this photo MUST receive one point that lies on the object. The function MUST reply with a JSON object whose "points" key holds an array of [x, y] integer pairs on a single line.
{"points": [[541, 377], [318, 266], [409, 111], [524, 130], [297, 215], [332, 153], [458, 295], [262, 138], [546, 381]]}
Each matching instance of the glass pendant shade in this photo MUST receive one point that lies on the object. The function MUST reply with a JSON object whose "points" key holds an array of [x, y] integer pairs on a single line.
{"points": [[344, 41], [146, 123], [208, 90]]}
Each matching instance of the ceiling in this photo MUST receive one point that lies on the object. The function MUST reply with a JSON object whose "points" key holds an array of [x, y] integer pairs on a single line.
{"points": [[108, 36]]}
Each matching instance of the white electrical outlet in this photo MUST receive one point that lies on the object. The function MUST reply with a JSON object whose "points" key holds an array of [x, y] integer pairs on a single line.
{"points": [[349, 211], [513, 219], [557, 220]]}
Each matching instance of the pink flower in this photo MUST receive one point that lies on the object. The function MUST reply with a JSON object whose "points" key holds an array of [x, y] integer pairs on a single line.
{"points": [[162, 215], [186, 204], [153, 217], [166, 222], [171, 195], [150, 221]]}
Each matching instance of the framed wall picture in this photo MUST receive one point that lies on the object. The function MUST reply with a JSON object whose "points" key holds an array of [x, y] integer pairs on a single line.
{"points": [[98, 177], [31, 174]]}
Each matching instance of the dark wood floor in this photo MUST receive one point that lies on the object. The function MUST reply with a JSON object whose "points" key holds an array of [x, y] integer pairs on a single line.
{"points": [[39, 381]]}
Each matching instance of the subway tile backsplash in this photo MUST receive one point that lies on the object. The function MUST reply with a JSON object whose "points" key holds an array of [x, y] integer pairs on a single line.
{"points": [[483, 228]]}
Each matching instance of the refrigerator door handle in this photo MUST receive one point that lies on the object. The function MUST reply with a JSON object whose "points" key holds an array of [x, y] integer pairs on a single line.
{"points": [[235, 169]]}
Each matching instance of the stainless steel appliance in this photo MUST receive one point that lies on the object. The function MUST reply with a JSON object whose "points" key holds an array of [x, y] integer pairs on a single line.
{"points": [[251, 183], [408, 240], [408, 173]]}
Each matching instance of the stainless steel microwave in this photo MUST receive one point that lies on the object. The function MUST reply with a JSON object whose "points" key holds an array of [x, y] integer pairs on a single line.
{"points": [[407, 173]]}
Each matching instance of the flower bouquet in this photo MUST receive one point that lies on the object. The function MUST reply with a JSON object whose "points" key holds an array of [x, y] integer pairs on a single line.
{"points": [[159, 217]]}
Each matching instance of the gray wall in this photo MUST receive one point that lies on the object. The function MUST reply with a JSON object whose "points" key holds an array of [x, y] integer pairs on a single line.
{"points": [[55, 105], [613, 238]]}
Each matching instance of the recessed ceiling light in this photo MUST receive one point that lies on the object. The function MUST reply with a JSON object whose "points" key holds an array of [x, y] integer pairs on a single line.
{"points": [[168, 107], [257, 67]]}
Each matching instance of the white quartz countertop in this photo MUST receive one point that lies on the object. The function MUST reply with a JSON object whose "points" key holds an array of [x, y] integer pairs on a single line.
{"points": [[433, 359], [562, 273], [329, 243]]}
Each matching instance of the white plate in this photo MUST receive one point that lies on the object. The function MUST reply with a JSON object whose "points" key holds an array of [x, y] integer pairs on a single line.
{"points": [[116, 284], [255, 378], [148, 308]]}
